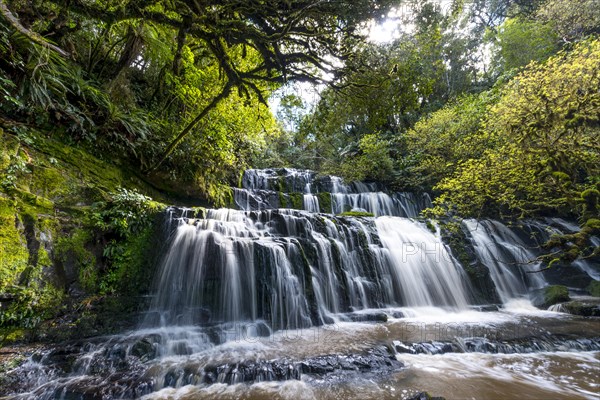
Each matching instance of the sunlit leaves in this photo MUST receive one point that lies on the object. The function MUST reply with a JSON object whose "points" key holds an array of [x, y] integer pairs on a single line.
{"points": [[547, 150]]}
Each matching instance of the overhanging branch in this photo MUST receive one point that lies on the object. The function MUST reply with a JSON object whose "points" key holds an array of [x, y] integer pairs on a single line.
{"points": [[34, 37]]}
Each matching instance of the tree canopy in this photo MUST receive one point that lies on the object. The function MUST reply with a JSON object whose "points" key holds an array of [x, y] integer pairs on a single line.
{"points": [[145, 76]]}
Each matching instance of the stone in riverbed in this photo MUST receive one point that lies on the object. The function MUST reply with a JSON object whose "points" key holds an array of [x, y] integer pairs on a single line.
{"points": [[425, 396], [555, 294]]}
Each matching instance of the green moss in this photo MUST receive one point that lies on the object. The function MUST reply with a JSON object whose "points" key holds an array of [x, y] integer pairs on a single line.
{"points": [[593, 224], [13, 246], [283, 203], [555, 294], [594, 288], [49, 183], [73, 248], [591, 196], [39, 203], [355, 214], [130, 261], [81, 166], [324, 202], [297, 200]]}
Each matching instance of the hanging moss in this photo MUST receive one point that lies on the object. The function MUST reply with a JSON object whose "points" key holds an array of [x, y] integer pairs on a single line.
{"points": [[283, 200]]}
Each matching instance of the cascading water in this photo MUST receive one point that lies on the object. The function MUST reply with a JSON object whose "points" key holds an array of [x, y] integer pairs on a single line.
{"points": [[272, 189], [293, 269], [282, 288], [427, 273], [507, 257]]}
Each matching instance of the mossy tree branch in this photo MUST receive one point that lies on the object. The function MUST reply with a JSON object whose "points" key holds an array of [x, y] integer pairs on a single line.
{"points": [[34, 37], [190, 126]]}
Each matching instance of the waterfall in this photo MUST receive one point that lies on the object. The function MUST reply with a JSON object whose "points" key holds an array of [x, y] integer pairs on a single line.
{"points": [[280, 261], [293, 269], [276, 188], [507, 257], [261, 294], [310, 201], [428, 275]]}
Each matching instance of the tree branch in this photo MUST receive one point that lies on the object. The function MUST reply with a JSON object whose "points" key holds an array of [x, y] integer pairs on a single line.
{"points": [[34, 37], [215, 101]]}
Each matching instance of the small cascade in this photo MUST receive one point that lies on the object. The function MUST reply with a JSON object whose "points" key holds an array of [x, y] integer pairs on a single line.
{"points": [[301, 189], [310, 201], [560, 226], [507, 257], [426, 272]]}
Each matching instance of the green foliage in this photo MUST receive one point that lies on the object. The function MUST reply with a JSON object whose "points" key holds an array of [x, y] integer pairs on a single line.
{"points": [[127, 212], [438, 143], [522, 41], [128, 273], [370, 160], [545, 127], [165, 84], [571, 19], [126, 225], [31, 305]]}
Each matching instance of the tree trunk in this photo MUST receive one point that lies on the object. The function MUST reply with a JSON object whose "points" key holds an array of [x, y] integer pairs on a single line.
{"points": [[224, 93]]}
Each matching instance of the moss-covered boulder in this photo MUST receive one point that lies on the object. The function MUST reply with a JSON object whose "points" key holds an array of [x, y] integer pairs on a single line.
{"points": [[555, 294], [594, 288], [583, 308]]}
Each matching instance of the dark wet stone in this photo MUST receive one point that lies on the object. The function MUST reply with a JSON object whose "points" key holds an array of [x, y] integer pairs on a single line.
{"points": [[403, 348], [425, 396], [367, 317], [144, 350], [486, 307], [483, 345]]}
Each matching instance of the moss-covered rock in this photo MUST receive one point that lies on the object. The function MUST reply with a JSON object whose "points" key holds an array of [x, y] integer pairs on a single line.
{"points": [[583, 308], [14, 255], [324, 202], [555, 294], [594, 288], [356, 214], [297, 200]]}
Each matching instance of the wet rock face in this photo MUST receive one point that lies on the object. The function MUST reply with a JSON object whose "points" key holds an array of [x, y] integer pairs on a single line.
{"points": [[128, 370], [378, 360]]}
